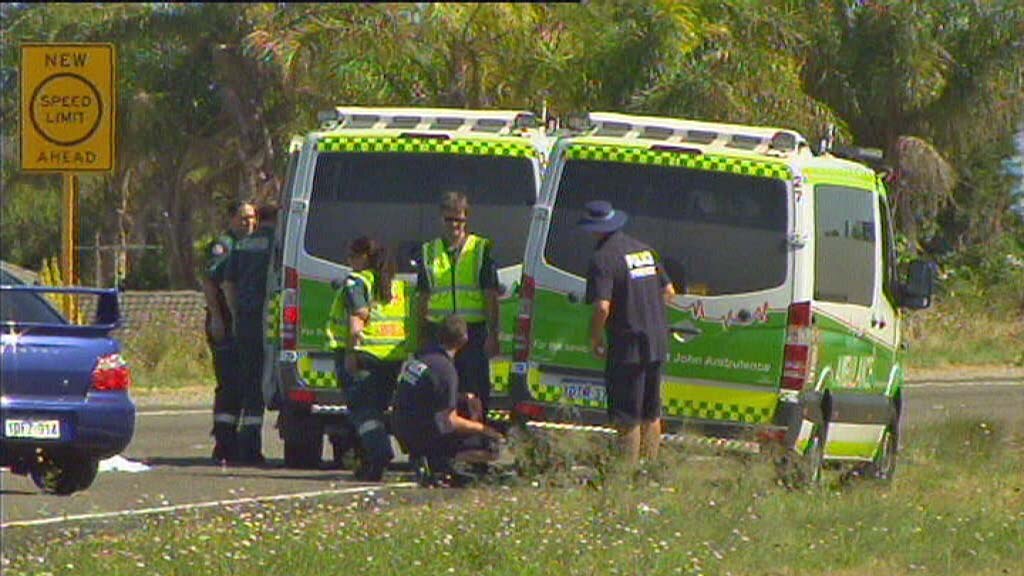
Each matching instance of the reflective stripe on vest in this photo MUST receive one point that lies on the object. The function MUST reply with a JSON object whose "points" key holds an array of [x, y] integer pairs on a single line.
{"points": [[384, 333], [455, 288]]}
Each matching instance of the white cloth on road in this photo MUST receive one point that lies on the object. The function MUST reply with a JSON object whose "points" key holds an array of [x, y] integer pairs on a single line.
{"points": [[121, 464]]}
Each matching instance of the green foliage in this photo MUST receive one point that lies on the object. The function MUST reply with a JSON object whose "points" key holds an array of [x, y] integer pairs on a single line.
{"points": [[30, 210], [209, 92]]}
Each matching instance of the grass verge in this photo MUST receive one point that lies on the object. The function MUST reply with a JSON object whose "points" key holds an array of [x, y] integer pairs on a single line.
{"points": [[964, 331], [166, 353], [956, 507]]}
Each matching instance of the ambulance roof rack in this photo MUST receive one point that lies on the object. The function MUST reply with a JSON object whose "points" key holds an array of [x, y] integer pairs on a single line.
{"points": [[446, 119], [753, 138]]}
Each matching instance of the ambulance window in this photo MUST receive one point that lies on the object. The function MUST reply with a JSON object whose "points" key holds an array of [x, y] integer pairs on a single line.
{"points": [[888, 252], [844, 256], [717, 233], [393, 197]]}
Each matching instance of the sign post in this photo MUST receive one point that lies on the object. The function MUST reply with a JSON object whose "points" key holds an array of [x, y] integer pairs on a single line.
{"points": [[68, 115]]}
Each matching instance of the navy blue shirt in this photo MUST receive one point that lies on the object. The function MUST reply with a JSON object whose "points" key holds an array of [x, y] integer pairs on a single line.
{"points": [[629, 274], [247, 268], [426, 394]]}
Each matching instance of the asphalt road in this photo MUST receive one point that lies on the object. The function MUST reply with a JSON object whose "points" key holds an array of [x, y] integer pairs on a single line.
{"points": [[175, 444]]}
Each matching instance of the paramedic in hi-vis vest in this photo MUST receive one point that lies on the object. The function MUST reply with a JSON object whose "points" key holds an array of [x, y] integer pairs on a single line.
{"points": [[366, 329], [457, 275]]}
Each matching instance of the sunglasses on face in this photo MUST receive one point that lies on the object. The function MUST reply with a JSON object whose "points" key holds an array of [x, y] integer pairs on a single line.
{"points": [[453, 220]]}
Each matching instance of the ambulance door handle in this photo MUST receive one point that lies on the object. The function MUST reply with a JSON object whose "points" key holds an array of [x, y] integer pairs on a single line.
{"points": [[684, 332], [573, 297]]}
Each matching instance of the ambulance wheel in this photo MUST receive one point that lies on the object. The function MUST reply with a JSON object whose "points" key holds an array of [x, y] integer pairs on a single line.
{"points": [[303, 438], [796, 470], [883, 467]]}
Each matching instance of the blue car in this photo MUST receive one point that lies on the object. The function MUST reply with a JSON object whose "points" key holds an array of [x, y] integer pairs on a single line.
{"points": [[64, 402]]}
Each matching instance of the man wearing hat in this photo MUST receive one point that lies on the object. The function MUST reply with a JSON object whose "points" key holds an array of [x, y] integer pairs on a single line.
{"points": [[629, 289]]}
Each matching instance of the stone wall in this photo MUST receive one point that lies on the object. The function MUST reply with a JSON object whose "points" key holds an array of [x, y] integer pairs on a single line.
{"points": [[183, 308]]}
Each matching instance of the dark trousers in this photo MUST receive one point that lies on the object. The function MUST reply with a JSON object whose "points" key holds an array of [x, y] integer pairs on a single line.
{"points": [[250, 362], [368, 394], [471, 363], [227, 398], [438, 450]]}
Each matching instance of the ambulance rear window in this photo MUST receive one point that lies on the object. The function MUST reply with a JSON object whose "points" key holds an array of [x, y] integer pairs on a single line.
{"points": [[717, 233], [393, 197]]}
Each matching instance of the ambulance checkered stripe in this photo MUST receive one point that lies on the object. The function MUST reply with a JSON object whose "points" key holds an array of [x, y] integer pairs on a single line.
{"points": [[554, 395], [316, 378], [273, 330], [499, 415], [426, 145], [708, 162], [717, 411], [673, 407]]}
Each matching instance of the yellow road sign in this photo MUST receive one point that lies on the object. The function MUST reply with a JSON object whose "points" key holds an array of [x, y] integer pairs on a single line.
{"points": [[68, 103]]}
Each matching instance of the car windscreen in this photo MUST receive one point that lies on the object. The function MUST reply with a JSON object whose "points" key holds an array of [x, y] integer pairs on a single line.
{"points": [[19, 307], [393, 198], [717, 233]]}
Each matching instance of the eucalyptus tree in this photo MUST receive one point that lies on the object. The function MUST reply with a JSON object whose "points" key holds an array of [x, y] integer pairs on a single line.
{"points": [[195, 116], [936, 83]]}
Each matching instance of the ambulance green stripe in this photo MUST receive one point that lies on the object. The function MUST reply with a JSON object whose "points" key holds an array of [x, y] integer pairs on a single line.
{"points": [[460, 146], [708, 162]]}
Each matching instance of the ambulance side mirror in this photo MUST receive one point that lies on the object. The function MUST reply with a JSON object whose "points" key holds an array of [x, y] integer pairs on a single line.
{"points": [[916, 292]]}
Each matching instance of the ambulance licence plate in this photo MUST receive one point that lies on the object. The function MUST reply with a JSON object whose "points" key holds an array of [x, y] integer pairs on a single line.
{"points": [[584, 390], [35, 429]]}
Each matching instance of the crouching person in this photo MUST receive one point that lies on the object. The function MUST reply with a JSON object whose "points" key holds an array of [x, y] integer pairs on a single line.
{"points": [[426, 416]]}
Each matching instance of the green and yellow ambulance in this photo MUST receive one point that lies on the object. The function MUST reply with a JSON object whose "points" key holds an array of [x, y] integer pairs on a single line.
{"points": [[786, 327], [380, 172]]}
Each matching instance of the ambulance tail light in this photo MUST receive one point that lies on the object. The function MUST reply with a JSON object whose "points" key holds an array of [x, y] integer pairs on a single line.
{"points": [[530, 410], [524, 322], [290, 309], [300, 396], [798, 355]]}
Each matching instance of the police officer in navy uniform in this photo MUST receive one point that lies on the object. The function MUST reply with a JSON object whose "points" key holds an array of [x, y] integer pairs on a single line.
{"points": [[457, 274], [629, 289], [227, 400], [245, 287], [426, 413]]}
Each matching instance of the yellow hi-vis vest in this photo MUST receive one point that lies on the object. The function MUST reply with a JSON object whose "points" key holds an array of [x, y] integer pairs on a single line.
{"points": [[455, 286], [384, 335]]}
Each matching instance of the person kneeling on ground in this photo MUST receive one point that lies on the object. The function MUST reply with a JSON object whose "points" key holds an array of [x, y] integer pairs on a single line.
{"points": [[426, 412]]}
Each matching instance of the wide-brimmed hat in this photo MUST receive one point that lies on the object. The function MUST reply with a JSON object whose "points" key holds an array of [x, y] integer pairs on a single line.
{"points": [[601, 217]]}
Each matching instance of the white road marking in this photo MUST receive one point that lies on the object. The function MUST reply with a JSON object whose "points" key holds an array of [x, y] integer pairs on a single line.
{"points": [[965, 384], [212, 504]]}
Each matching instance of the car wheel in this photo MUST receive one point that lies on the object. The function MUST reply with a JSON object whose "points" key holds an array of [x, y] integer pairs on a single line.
{"points": [[66, 477], [303, 438]]}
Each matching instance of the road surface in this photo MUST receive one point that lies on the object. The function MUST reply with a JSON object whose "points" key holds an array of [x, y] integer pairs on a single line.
{"points": [[175, 444]]}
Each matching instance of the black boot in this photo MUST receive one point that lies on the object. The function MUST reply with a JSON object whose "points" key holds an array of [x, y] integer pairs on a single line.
{"points": [[225, 443], [250, 446]]}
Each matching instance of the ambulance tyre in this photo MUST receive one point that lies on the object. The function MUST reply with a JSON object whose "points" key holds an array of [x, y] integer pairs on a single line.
{"points": [[804, 470], [883, 467], [303, 438]]}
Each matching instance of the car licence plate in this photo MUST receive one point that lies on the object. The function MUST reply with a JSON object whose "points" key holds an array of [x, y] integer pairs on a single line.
{"points": [[35, 429], [584, 390]]}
